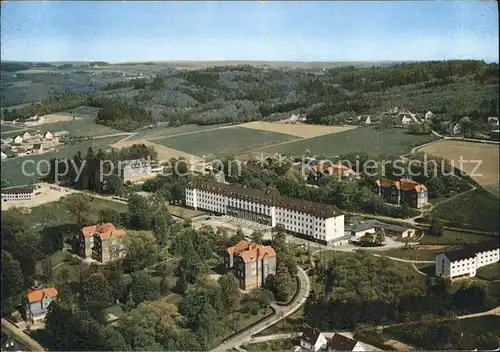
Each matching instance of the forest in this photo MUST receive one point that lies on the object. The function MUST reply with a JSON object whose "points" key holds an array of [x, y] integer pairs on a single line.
{"points": [[450, 89]]}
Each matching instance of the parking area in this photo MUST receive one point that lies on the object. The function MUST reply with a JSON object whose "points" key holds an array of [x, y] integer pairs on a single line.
{"points": [[231, 224]]}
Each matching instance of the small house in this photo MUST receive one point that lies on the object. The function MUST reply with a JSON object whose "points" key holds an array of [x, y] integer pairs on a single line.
{"points": [[428, 115], [342, 343], [48, 136], [4, 156], [37, 148], [18, 140], [405, 118], [313, 340], [37, 301], [26, 136], [368, 121], [493, 121]]}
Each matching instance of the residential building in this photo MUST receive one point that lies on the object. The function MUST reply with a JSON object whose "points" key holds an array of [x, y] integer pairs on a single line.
{"points": [[429, 115], [26, 136], [108, 243], [493, 122], [37, 300], [340, 342], [37, 148], [464, 262], [14, 194], [48, 136], [314, 221], [336, 170], [368, 120], [404, 191], [250, 263], [4, 156], [18, 140], [134, 170], [107, 237], [405, 118], [373, 226], [312, 340]]}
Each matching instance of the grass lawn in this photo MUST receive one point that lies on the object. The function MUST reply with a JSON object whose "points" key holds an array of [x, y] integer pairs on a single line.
{"points": [[364, 139], [489, 272], [11, 132], [478, 209], [454, 237], [7, 128], [269, 346], [12, 170], [172, 131], [83, 127], [184, 213], [226, 141]]}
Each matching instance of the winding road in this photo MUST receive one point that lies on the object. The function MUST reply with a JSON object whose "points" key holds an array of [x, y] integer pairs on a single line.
{"points": [[281, 312]]}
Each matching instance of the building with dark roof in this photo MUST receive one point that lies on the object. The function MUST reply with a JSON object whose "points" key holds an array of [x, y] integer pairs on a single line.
{"points": [[316, 221], [342, 343], [312, 340], [402, 191], [372, 226], [465, 261], [14, 194]]}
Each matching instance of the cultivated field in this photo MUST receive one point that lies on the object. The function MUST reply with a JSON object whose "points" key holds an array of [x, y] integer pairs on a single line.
{"points": [[297, 130], [224, 141], [375, 142], [162, 132], [164, 153], [487, 175]]}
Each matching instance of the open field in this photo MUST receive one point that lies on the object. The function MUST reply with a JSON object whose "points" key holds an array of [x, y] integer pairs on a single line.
{"points": [[296, 130], [224, 141], [12, 170], [488, 175], [11, 133], [478, 209], [8, 128], [164, 153], [376, 142], [163, 131], [53, 118], [453, 238]]}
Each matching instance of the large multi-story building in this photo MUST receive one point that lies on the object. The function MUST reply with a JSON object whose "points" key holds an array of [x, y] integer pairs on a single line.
{"points": [[404, 191], [17, 193], [314, 221], [251, 263], [37, 300], [101, 242], [464, 262], [134, 170]]}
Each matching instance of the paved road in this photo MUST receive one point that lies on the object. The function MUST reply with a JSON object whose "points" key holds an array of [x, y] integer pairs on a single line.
{"points": [[281, 313], [21, 336]]}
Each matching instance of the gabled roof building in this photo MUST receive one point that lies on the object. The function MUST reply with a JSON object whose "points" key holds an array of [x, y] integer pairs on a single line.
{"points": [[402, 191]]}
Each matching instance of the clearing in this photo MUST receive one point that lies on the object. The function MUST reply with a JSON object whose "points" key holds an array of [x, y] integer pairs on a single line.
{"points": [[478, 209], [52, 118], [488, 154], [296, 130], [164, 153]]}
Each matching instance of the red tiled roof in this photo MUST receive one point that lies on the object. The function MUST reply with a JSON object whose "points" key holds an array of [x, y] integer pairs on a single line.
{"points": [[103, 230], [38, 295], [404, 184]]}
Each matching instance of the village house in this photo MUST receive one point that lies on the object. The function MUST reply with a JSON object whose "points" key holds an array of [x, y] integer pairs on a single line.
{"points": [[463, 262], [48, 136], [105, 237], [18, 140], [404, 191], [340, 343], [37, 148], [312, 340], [493, 122], [14, 194], [4, 156], [250, 263], [37, 300], [404, 118], [429, 115], [26, 136]]}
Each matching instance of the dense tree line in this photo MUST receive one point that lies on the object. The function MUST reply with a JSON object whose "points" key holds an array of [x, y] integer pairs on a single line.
{"points": [[138, 83], [121, 115], [55, 104]]}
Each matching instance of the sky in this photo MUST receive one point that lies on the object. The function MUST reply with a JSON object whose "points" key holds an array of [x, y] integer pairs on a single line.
{"points": [[251, 30]]}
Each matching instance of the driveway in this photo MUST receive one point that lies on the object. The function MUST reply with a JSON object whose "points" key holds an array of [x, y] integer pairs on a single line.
{"points": [[281, 313]]}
